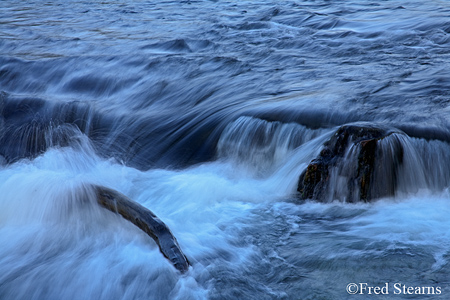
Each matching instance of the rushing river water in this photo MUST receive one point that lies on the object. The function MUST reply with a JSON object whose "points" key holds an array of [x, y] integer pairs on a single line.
{"points": [[207, 112]]}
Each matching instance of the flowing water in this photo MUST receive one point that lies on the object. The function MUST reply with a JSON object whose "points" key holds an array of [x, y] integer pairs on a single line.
{"points": [[207, 112]]}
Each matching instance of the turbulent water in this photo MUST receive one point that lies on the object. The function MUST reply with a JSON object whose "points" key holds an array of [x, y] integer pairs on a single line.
{"points": [[207, 112]]}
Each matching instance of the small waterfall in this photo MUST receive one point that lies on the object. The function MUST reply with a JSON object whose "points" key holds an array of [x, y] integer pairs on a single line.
{"points": [[408, 165], [30, 126], [362, 163], [356, 177], [29, 140], [340, 187], [261, 145], [426, 165]]}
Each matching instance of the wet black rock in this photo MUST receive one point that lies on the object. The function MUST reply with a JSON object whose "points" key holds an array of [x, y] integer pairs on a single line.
{"points": [[145, 220], [360, 162]]}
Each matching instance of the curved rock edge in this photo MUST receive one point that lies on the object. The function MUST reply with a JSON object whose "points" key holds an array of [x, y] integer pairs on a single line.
{"points": [[145, 220]]}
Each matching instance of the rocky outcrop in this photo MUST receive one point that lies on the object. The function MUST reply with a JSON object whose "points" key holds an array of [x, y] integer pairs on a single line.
{"points": [[359, 162], [146, 221]]}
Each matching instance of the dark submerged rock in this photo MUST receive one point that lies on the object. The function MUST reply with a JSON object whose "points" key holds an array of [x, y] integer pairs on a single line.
{"points": [[358, 163], [146, 221]]}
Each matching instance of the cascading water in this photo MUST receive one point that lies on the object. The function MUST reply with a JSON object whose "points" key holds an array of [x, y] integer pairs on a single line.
{"points": [[261, 145], [211, 114], [399, 164]]}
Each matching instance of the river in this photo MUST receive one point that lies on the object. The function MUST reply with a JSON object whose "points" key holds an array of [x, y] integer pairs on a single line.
{"points": [[206, 113]]}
